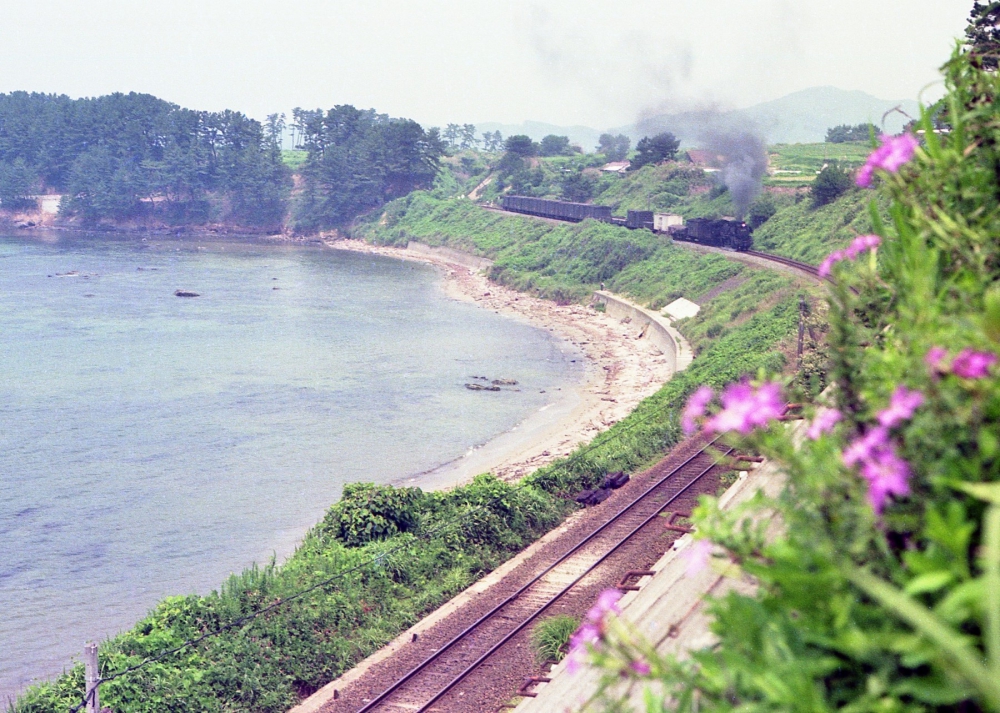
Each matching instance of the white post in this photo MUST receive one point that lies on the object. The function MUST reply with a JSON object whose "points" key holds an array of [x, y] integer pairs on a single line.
{"points": [[93, 676]]}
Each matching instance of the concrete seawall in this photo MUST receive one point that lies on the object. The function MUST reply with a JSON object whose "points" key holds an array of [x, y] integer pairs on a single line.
{"points": [[456, 257], [658, 330]]}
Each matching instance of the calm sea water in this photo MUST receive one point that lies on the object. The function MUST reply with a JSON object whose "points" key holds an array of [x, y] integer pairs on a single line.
{"points": [[150, 444]]}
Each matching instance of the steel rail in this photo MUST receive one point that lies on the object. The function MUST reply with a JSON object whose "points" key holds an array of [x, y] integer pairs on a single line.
{"points": [[520, 627], [803, 266], [378, 700]]}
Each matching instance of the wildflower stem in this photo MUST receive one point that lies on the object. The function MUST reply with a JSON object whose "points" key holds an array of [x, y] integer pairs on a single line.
{"points": [[965, 659], [991, 546]]}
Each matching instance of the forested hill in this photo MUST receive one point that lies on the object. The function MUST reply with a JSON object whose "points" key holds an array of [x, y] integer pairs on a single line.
{"points": [[133, 157]]}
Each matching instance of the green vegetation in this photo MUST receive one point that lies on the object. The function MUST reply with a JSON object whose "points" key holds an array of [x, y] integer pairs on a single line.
{"points": [[113, 154], [187, 167], [833, 181], [797, 165], [550, 637], [368, 588], [845, 133], [809, 234], [294, 158], [654, 149], [880, 591], [357, 160], [614, 148]]}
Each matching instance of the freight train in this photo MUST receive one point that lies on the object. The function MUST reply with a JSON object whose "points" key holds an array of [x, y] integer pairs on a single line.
{"points": [[720, 233]]}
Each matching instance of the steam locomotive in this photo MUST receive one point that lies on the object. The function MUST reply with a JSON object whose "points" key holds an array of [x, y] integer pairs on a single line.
{"points": [[721, 233]]}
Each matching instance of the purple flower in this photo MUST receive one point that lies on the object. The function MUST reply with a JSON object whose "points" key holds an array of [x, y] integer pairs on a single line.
{"points": [[607, 603], [887, 474], [901, 407], [934, 357], [745, 408], [823, 422], [862, 243], [864, 177], [861, 449], [587, 634], [695, 408], [590, 631], [830, 260], [697, 557], [973, 365], [890, 156], [640, 666]]}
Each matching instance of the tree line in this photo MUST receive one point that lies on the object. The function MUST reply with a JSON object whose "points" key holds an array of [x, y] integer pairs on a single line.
{"points": [[124, 155], [359, 159], [128, 156]]}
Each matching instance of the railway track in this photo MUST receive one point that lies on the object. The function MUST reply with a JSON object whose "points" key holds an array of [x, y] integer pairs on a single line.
{"points": [[423, 686], [803, 266]]}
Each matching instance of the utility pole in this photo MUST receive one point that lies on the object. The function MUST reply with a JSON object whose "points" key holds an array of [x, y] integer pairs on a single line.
{"points": [[93, 674]]}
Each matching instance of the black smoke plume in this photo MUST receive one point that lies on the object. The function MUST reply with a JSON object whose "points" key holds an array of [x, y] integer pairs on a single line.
{"points": [[744, 162]]}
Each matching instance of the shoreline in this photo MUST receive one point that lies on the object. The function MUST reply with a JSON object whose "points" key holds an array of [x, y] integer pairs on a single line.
{"points": [[620, 370]]}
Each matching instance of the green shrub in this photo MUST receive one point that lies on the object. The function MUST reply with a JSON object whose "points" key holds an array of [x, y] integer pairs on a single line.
{"points": [[367, 512], [550, 637]]}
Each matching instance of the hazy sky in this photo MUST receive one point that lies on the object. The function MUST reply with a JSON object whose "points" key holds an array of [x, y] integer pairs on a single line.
{"points": [[598, 63]]}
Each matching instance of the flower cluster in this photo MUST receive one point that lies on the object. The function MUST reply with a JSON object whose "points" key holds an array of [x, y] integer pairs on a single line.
{"points": [[857, 246], [823, 422], [893, 153], [695, 408], [592, 628], [744, 408], [967, 364], [697, 556], [887, 474]]}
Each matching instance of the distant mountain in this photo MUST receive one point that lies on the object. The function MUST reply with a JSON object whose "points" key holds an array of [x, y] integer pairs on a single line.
{"points": [[800, 117]]}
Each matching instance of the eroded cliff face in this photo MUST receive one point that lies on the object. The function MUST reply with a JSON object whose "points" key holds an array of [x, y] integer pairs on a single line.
{"points": [[45, 215]]}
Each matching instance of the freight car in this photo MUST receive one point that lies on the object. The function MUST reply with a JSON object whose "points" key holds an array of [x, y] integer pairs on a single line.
{"points": [[720, 233], [636, 219], [560, 210]]}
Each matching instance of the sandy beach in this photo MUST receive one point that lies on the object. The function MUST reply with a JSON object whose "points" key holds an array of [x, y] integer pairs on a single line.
{"points": [[621, 369]]}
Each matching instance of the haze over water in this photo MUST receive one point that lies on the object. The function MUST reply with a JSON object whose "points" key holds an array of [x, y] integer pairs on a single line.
{"points": [[150, 444]]}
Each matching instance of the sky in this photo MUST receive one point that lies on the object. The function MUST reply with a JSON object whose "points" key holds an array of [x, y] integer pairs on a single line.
{"points": [[597, 63]]}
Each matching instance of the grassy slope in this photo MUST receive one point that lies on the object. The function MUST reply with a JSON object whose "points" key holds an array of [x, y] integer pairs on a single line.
{"points": [[809, 234]]}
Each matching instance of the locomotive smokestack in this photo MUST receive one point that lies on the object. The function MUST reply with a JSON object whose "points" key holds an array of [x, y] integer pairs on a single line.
{"points": [[744, 164]]}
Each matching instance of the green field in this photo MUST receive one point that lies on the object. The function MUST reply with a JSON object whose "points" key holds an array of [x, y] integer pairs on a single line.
{"points": [[796, 165], [293, 158]]}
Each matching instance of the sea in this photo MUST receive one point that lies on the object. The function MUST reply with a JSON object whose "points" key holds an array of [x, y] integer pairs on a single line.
{"points": [[150, 444]]}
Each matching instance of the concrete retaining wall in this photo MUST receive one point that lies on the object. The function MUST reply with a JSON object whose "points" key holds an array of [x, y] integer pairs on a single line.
{"points": [[453, 256], [658, 329]]}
